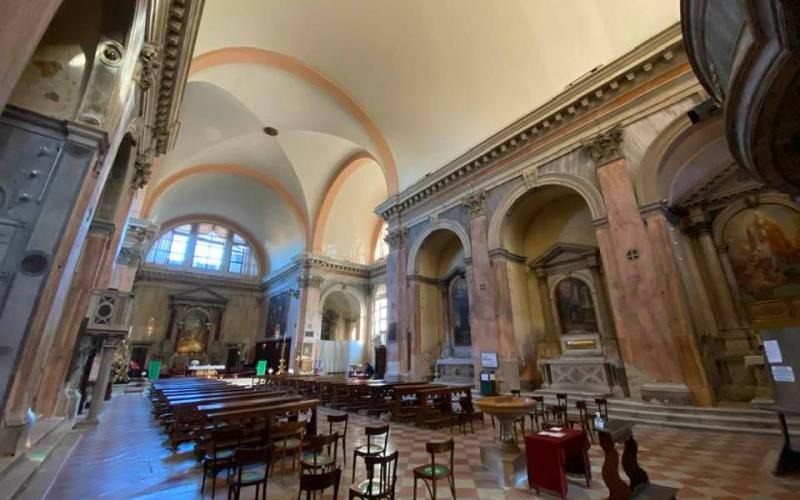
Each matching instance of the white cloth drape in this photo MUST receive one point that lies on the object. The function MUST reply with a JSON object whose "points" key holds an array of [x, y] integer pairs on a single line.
{"points": [[338, 355]]}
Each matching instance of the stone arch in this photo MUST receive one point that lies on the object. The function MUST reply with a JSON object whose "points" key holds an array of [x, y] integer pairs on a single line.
{"points": [[590, 194], [354, 293], [261, 257], [253, 55], [454, 227], [345, 170], [156, 192]]}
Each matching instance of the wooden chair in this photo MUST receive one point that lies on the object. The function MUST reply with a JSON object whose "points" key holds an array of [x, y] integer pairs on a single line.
{"points": [[519, 422], [602, 407], [221, 457], [537, 413], [312, 483], [338, 419], [436, 472], [251, 467], [381, 488], [287, 439], [467, 414], [582, 419], [371, 448], [320, 458]]}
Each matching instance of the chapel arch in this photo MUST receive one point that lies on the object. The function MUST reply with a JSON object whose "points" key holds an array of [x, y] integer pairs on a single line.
{"points": [[342, 316], [555, 274]]}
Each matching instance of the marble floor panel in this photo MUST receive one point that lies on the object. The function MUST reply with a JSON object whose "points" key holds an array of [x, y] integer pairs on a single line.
{"points": [[127, 456]]}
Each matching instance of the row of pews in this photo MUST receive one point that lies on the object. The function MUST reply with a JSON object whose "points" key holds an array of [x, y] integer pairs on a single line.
{"points": [[190, 409], [425, 404]]}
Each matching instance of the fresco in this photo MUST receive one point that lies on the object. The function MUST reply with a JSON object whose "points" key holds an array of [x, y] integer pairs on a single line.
{"points": [[575, 306], [278, 314], [764, 250], [193, 335]]}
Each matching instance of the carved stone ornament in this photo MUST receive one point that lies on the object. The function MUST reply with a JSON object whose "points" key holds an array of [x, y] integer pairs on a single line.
{"points": [[397, 238], [310, 281], [149, 66], [143, 166], [605, 147], [476, 204]]}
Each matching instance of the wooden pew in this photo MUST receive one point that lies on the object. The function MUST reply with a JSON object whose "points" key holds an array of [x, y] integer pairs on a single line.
{"points": [[405, 400], [436, 406]]}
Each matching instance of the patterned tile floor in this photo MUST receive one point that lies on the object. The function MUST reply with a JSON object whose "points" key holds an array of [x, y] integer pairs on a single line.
{"points": [[126, 457]]}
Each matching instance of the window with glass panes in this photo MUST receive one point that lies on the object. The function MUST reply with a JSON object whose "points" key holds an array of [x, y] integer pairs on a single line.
{"points": [[204, 246], [380, 318]]}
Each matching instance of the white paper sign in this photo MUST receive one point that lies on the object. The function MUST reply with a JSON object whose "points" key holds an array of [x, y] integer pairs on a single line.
{"points": [[783, 373], [773, 351]]}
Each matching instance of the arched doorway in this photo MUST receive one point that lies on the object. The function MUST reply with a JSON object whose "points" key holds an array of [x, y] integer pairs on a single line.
{"points": [[554, 275], [341, 317], [343, 333], [440, 294]]}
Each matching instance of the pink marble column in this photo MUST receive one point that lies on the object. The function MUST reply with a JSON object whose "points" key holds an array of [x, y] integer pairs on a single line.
{"points": [[397, 360], [486, 336], [649, 324], [505, 324]]}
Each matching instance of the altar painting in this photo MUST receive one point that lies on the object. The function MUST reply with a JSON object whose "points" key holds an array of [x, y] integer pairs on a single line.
{"points": [[575, 306], [193, 334], [764, 251], [459, 301], [278, 314]]}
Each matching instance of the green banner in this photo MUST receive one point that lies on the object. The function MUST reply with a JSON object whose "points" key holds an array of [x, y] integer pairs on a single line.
{"points": [[155, 369], [261, 368]]}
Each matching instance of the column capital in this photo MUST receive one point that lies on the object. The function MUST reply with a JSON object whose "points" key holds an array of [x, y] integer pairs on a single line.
{"points": [[475, 203], [397, 238], [310, 281], [605, 147], [698, 222], [142, 169]]}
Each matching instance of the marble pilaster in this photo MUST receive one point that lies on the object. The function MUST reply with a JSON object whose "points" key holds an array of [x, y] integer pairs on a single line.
{"points": [[397, 349]]}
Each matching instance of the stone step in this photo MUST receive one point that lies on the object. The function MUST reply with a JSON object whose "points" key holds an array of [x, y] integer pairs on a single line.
{"points": [[45, 436]]}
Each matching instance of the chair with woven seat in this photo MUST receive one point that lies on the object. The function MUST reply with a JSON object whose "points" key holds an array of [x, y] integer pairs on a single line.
{"points": [[382, 487], [287, 439], [312, 483], [433, 472], [320, 458], [221, 456], [373, 445], [251, 468], [341, 430]]}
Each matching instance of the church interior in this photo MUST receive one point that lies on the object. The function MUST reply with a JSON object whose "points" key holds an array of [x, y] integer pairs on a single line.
{"points": [[399, 249]]}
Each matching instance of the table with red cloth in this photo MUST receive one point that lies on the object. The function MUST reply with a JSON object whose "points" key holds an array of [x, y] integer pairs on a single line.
{"points": [[549, 458]]}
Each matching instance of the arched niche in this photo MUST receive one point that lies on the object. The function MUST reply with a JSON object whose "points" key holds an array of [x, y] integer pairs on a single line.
{"points": [[342, 316], [194, 328]]}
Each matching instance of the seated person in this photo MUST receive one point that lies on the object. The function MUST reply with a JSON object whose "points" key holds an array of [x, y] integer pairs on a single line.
{"points": [[369, 371]]}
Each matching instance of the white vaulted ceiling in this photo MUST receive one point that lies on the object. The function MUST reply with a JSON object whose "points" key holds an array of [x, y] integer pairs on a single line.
{"points": [[369, 96]]}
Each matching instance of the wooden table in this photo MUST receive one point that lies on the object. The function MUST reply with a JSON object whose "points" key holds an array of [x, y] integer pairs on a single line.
{"points": [[640, 485]]}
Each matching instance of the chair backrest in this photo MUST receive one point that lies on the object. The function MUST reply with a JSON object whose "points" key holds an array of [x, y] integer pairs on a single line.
{"points": [[602, 407], [562, 399], [516, 392], [336, 419], [373, 431], [387, 479], [321, 441], [286, 430], [226, 437], [319, 482], [466, 405], [581, 406], [437, 447]]}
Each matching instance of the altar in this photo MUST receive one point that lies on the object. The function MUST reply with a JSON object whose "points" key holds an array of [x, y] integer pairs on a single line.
{"points": [[206, 371], [583, 367]]}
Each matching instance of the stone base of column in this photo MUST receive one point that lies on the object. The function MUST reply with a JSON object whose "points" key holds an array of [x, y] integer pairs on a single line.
{"points": [[13, 436], [667, 393]]}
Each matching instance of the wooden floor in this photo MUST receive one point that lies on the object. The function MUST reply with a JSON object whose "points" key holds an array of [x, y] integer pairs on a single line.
{"points": [[126, 457]]}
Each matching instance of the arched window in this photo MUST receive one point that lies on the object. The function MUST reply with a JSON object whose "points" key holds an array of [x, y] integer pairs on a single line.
{"points": [[380, 315], [381, 247], [204, 246]]}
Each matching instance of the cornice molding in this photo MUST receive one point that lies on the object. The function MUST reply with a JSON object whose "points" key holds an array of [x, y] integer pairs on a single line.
{"points": [[160, 274], [660, 54], [502, 253]]}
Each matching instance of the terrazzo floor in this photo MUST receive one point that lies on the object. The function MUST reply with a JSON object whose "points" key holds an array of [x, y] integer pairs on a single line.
{"points": [[127, 456]]}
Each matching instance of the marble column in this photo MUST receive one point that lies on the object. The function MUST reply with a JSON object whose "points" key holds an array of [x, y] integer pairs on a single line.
{"points": [[110, 345], [309, 317], [647, 320], [718, 282], [397, 361], [50, 399], [486, 336]]}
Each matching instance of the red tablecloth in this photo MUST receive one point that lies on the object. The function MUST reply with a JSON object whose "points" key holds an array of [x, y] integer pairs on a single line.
{"points": [[549, 458]]}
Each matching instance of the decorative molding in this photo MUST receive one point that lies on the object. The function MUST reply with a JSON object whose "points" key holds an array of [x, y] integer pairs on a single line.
{"points": [[160, 274], [396, 239], [657, 56], [143, 166], [310, 281], [605, 147], [476, 203], [149, 66], [502, 253]]}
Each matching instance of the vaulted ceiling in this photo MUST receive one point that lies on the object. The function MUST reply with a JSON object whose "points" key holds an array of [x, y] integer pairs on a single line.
{"points": [[367, 97]]}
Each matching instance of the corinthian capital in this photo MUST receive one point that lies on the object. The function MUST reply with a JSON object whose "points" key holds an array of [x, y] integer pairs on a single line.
{"points": [[143, 165], [397, 238], [476, 203], [605, 147]]}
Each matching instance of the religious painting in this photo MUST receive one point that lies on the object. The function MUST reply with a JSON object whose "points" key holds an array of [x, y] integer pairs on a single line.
{"points": [[459, 307], [278, 314], [575, 306], [193, 333], [764, 250]]}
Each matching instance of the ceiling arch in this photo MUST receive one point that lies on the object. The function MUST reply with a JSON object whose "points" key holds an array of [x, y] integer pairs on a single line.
{"points": [[155, 193], [252, 55]]}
